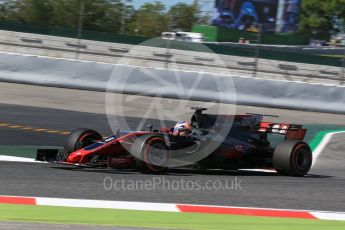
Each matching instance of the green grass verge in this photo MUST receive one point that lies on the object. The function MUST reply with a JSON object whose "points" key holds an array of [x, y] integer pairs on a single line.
{"points": [[21, 151], [156, 219], [18, 151], [320, 136]]}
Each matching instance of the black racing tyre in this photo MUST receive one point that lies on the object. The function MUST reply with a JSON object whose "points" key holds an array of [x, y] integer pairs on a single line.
{"points": [[81, 138], [154, 155], [293, 158]]}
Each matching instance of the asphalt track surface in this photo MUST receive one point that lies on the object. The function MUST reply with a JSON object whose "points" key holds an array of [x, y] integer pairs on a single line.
{"points": [[323, 189], [54, 120]]}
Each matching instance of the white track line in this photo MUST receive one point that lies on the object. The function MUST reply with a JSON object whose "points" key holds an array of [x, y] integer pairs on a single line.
{"points": [[17, 159], [137, 206], [329, 215], [323, 143], [259, 170]]}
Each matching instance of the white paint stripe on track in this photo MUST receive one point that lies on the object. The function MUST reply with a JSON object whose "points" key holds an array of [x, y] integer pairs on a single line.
{"points": [[322, 145], [259, 170], [137, 206], [329, 216], [17, 159]]}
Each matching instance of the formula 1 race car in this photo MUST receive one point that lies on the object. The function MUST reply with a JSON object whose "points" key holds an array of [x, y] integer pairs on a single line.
{"points": [[245, 145]]}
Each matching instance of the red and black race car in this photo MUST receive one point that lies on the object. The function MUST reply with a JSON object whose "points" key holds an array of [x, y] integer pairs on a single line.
{"points": [[214, 142]]}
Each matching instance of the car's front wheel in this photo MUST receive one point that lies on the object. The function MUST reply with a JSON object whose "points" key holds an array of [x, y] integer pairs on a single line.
{"points": [[81, 138]]}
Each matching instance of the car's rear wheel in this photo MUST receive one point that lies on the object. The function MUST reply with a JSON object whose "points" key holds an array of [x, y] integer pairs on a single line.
{"points": [[154, 156], [293, 158], [81, 138]]}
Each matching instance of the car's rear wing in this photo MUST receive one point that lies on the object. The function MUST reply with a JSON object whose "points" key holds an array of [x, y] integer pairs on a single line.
{"points": [[291, 132]]}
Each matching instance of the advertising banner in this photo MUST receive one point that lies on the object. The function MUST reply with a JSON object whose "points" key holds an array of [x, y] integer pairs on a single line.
{"points": [[247, 15]]}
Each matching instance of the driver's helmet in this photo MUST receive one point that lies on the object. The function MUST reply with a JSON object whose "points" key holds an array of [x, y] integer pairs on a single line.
{"points": [[182, 128]]}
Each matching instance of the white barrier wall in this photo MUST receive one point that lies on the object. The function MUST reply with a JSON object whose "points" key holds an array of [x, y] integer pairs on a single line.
{"points": [[169, 83]]}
